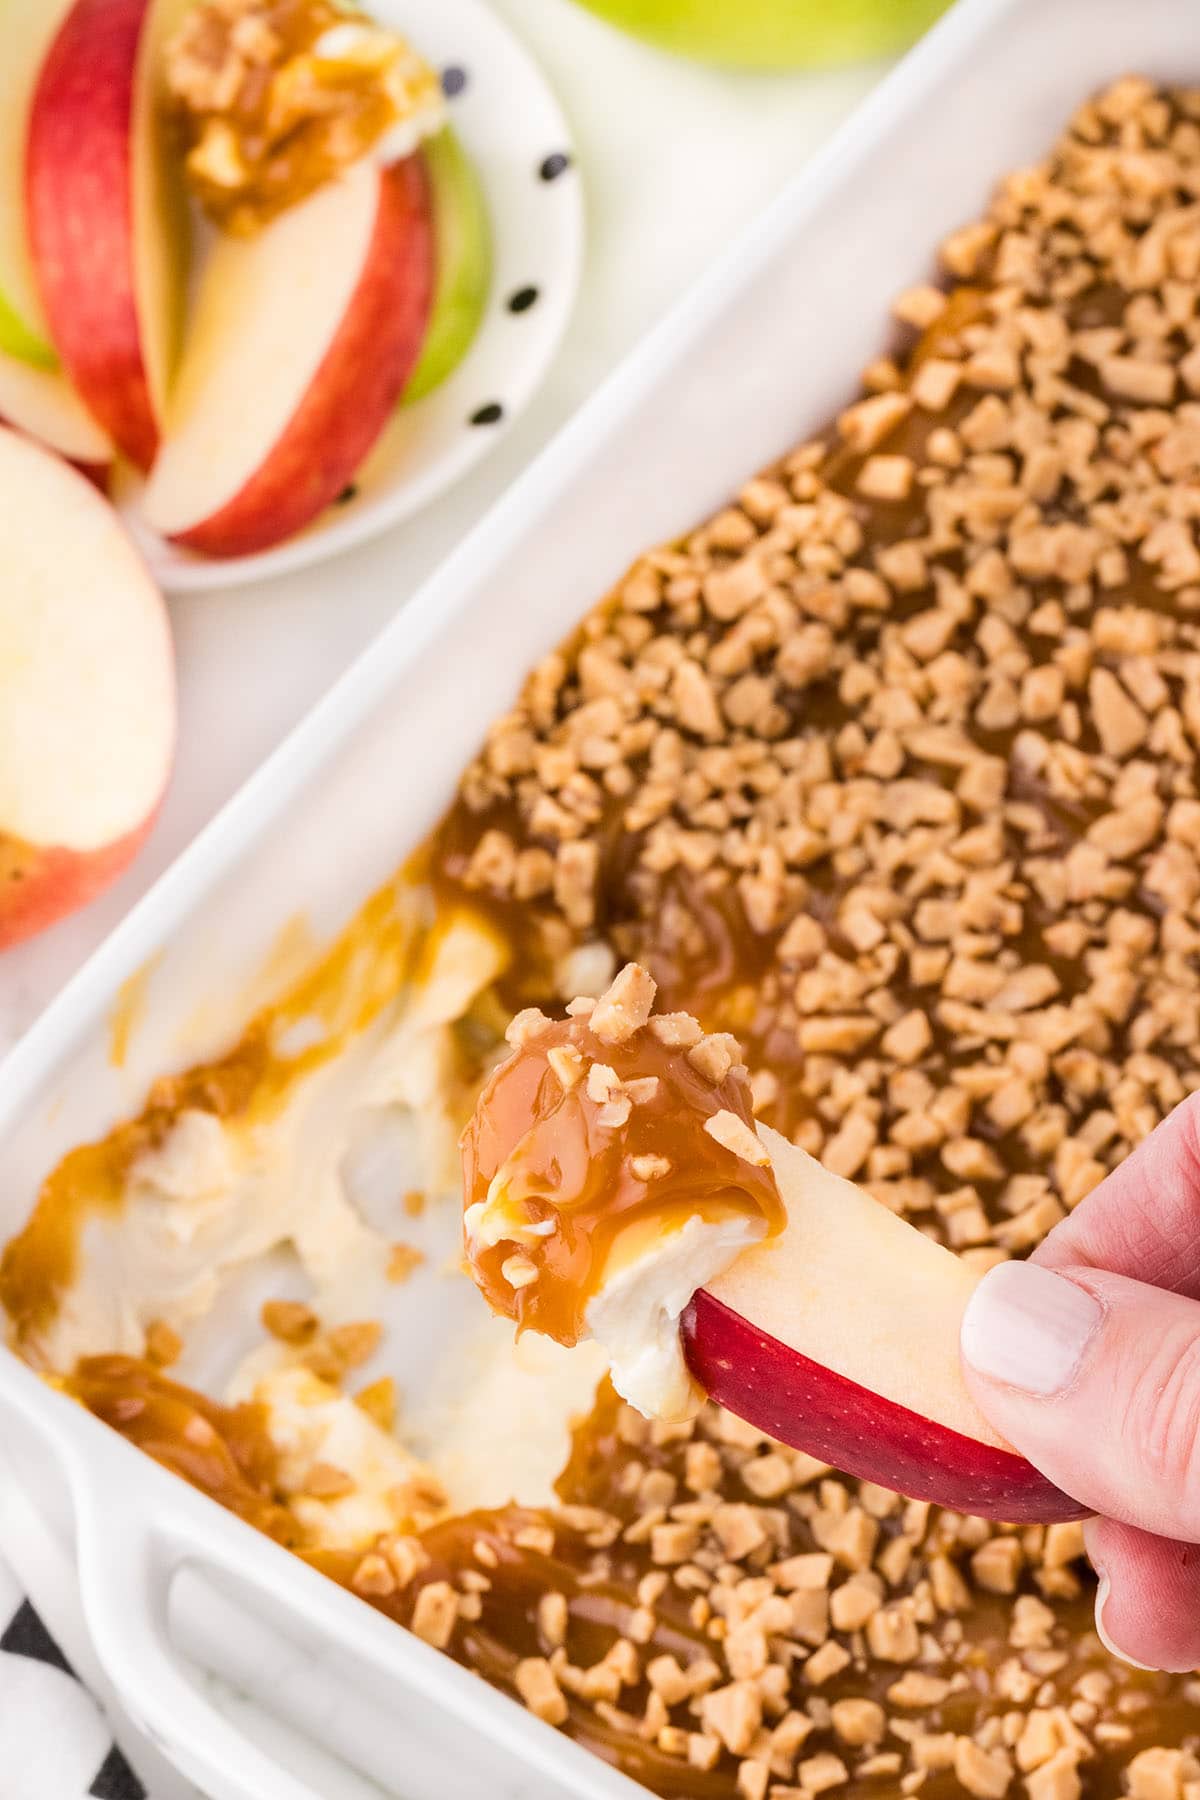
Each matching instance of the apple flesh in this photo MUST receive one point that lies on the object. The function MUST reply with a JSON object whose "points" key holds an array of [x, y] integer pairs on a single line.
{"points": [[105, 211], [87, 691], [44, 406], [840, 1338], [26, 32], [463, 256], [301, 342]]}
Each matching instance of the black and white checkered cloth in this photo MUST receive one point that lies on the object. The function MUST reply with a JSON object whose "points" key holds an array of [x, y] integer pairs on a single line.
{"points": [[55, 1743]]}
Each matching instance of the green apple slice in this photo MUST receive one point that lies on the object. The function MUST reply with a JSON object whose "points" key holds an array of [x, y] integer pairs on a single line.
{"points": [[463, 247], [27, 29]]}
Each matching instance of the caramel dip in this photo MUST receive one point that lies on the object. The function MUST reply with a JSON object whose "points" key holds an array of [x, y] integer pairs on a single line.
{"points": [[890, 770], [611, 1168]]}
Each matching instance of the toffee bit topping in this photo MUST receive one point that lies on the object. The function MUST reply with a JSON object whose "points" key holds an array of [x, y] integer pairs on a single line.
{"points": [[325, 1481], [403, 1260], [290, 1321], [567, 1064], [373, 1578], [620, 1140], [518, 1271], [650, 1168], [164, 1345], [436, 1614], [526, 1027], [378, 1401], [732, 1133], [623, 1008], [679, 1031], [332, 1354], [538, 1687]]}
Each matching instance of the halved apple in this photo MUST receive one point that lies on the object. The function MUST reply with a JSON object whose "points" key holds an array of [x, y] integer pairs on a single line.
{"points": [[87, 691], [301, 340], [26, 33], [106, 215], [463, 243], [840, 1338]]}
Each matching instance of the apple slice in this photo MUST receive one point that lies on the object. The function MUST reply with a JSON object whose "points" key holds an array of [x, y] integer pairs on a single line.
{"points": [[301, 341], [464, 263], [44, 406], [87, 691], [26, 32], [840, 1338], [107, 223]]}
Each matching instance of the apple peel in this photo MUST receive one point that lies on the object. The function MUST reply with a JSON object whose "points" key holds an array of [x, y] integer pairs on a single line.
{"points": [[839, 1337], [87, 691], [107, 229]]}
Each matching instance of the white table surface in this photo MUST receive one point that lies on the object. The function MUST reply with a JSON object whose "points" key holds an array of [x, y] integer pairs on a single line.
{"points": [[674, 158]]}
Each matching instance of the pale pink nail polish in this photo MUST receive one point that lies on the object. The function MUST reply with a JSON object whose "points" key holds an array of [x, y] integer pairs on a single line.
{"points": [[1029, 1328]]}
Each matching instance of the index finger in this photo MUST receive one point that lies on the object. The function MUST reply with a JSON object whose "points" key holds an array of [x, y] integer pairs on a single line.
{"points": [[1144, 1219]]}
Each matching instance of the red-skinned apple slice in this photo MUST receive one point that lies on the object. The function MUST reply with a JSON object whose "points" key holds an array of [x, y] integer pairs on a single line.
{"points": [[840, 1338], [107, 226], [301, 341], [87, 692]]}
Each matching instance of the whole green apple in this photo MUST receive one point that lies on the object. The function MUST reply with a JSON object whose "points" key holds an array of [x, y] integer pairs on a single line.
{"points": [[773, 34]]}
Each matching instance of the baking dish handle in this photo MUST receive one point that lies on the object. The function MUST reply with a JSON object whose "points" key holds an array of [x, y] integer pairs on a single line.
{"points": [[125, 1572]]}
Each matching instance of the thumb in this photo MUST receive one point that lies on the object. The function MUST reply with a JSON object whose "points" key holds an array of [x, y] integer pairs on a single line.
{"points": [[1096, 1379]]}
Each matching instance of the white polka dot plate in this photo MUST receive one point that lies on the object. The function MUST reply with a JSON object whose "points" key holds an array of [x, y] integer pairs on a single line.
{"points": [[511, 126]]}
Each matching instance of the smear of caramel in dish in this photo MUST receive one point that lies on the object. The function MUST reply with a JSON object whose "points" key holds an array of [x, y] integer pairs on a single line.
{"points": [[562, 1166], [222, 1450], [128, 1013], [363, 970]]}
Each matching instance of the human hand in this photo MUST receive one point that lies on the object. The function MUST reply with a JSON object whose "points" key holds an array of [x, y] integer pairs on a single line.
{"points": [[1087, 1358]]}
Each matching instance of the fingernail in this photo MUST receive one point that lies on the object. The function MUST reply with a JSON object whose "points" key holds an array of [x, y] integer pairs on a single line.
{"points": [[1028, 1327], [1102, 1593]]}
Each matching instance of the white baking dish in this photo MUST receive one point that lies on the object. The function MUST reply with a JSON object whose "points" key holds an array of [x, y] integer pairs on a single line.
{"points": [[767, 346]]}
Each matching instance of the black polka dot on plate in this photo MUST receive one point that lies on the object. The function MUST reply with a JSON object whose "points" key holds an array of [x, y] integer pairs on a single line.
{"points": [[491, 414], [347, 495], [454, 80], [551, 167], [522, 300]]}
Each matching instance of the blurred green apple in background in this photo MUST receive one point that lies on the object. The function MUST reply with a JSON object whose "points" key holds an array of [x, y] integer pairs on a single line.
{"points": [[773, 34]]}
